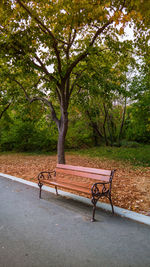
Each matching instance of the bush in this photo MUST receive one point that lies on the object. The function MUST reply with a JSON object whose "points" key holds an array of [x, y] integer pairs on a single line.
{"points": [[26, 136], [79, 135], [131, 144]]}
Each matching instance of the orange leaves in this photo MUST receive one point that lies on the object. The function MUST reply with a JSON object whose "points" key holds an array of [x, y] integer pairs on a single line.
{"points": [[34, 42], [101, 18], [121, 31], [130, 189]]}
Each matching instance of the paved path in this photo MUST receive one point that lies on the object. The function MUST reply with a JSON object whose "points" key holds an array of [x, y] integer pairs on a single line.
{"points": [[55, 231]]}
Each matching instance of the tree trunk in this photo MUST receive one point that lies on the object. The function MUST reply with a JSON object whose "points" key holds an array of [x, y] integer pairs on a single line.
{"points": [[61, 148], [96, 131], [122, 123], [104, 128], [61, 138]]}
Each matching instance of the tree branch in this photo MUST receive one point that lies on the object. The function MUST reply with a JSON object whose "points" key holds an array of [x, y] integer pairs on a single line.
{"points": [[36, 19], [70, 42], [85, 53], [26, 95], [99, 31], [57, 88], [75, 81], [48, 103], [41, 66], [4, 110], [45, 29], [36, 84], [93, 124]]}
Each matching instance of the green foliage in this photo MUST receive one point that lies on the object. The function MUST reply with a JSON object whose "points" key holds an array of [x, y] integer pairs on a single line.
{"points": [[79, 134], [139, 120], [101, 97], [138, 156], [27, 129], [52, 50], [24, 137]]}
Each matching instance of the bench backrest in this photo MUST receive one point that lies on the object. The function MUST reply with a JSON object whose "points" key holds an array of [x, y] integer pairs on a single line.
{"points": [[92, 173]]}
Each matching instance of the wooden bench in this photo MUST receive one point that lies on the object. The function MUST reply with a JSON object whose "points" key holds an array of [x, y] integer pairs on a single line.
{"points": [[91, 182]]}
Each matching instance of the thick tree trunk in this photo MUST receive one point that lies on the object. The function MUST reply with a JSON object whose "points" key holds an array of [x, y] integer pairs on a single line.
{"points": [[61, 148], [61, 138]]}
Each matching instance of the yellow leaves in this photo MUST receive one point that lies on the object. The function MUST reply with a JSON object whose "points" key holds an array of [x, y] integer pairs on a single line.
{"points": [[118, 82], [122, 18], [133, 13], [117, 15], [101, 18], [117, 22], [126, 18], [139, 16], [107, 4], [121, 31], [34, 42], [17, 5], [112, 69], [48, 6]]}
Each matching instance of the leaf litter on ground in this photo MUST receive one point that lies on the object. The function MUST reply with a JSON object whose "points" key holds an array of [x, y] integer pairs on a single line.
{"points": [[131, 186]]}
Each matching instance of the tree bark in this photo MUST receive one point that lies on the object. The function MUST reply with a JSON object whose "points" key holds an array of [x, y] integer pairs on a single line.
{"points": [[122, 123], [104, 128], [4, 110], [96, 131], [62, 129]]}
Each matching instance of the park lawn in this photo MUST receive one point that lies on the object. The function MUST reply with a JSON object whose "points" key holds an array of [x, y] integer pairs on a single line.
{"points": [[131, 184], [137, 156]]}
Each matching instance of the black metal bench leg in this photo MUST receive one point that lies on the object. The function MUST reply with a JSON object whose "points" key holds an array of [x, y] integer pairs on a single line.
{"points": [[40, 186], [56, 190], [94, 201], [93, 215], [111, 204]]}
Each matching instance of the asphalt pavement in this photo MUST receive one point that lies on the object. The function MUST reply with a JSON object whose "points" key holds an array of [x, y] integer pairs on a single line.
{"points": [[57, 231]]}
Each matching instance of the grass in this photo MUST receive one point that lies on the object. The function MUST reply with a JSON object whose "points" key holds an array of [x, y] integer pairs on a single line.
{"points": [[28, 153], [137, 156]]}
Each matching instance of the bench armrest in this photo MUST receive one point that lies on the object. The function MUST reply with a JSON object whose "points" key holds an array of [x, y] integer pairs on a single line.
{"points": [[45, 175], [104, 190]]}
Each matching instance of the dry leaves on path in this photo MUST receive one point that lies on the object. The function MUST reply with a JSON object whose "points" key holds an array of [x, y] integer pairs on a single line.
{"points": [[131, 187]]}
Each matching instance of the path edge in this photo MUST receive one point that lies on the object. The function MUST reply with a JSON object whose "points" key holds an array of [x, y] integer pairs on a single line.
{"points": [[119, 211]]}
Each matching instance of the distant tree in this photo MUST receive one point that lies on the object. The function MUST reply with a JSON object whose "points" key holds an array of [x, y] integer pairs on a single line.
{"points": [[138, 127], [102, 94]]}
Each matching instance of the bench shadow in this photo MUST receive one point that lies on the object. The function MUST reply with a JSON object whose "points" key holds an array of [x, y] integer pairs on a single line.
{"points": [[83, 209]]}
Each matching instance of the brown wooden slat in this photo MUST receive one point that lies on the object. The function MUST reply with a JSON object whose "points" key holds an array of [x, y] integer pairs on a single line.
{"points": [[83, 169], [80, 183], [83, 174], [74, 187]]}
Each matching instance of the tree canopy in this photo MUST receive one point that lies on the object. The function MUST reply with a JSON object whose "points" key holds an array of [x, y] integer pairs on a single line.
{"points": [[44, 45]]}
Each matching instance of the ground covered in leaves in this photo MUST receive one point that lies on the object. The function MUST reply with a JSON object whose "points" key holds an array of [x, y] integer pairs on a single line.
{"points": [[131, 185]]}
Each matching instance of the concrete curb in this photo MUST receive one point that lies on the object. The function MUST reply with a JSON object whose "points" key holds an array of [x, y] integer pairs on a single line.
{"points": [[119, 211]]}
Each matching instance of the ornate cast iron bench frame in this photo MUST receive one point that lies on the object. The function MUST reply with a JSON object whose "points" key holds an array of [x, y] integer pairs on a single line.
{"points": [[100, 188]]}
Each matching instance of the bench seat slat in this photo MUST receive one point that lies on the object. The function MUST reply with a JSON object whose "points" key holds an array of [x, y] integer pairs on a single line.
{"points": [[68, 186], [83, 174], [83, 169], [62, 178]]}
